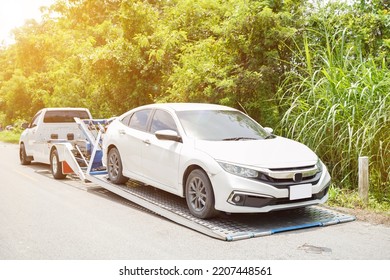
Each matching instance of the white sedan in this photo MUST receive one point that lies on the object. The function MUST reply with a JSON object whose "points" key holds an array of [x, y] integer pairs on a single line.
{"points": [[217, 157]]}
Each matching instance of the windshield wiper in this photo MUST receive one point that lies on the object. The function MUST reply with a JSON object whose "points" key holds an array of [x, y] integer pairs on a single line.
{"points": [[270, 136], [239, 138]]}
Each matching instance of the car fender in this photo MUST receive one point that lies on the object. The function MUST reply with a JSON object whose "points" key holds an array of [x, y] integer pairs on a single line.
{"points": [[191, 158]]}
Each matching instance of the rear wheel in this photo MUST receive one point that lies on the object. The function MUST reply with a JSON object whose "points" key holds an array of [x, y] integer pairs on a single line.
{"points": [[199, 195], [114, 167], [56, 166], [24, 159]]}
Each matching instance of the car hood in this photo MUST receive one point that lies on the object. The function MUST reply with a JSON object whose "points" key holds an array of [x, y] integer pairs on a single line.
{"points": [[277, 152]]}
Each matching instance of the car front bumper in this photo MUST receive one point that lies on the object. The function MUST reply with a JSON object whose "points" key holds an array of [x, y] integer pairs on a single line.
{"points": [[234, 194]]}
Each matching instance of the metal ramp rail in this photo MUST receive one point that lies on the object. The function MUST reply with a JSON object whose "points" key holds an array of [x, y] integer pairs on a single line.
{"points": [[224, 227]]}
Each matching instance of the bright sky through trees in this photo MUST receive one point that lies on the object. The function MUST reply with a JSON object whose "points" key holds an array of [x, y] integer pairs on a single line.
{"points": [[14, 13]]}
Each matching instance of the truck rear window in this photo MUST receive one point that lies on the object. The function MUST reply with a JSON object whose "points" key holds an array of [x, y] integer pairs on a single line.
{"points": [[64, 116]]}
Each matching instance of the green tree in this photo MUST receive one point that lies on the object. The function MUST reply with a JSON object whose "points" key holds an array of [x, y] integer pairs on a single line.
{"points": [[233, 54]]}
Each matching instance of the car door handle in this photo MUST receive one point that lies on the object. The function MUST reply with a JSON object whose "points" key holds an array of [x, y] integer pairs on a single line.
{"points": [[146, 141], [121, 132]]}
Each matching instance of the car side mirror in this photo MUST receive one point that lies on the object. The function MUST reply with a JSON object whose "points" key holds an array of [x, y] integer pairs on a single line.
{"points": [[168, 135], [268, 130], [25, 125]]}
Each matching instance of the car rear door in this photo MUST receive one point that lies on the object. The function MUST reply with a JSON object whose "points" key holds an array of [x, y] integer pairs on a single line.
{"points": [[130, 141]]}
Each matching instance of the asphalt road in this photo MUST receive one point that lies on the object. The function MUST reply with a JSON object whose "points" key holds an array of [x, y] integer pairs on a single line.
{"points": [[45, 219]]}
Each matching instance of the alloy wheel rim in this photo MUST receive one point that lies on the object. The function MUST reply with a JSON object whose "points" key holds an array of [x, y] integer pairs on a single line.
{"points": [[197, 193], [113, 166], [54, 164], [21, 154]]}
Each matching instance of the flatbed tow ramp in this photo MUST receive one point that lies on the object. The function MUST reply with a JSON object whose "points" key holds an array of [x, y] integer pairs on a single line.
{"points": [[224, 227]]}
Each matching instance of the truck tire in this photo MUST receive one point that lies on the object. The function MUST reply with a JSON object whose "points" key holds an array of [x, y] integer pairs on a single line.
{"points": [[56, 166], [24, 159], [200, 195], [115, 168]]}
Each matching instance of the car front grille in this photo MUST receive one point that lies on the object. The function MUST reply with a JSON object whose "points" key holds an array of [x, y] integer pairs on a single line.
{"points": [[284, 177]]}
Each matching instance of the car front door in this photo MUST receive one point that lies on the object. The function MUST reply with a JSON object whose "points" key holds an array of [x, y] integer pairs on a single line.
{"points": [[161, 157], [30, 140]]}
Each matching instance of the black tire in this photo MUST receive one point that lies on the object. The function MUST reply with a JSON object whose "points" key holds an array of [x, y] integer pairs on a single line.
{"points": [[115, 167], [200, 195], [56, 166], [24, 159]]}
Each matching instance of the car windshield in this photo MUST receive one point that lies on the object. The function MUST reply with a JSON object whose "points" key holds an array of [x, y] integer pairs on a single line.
{"points": [[220, 125]]}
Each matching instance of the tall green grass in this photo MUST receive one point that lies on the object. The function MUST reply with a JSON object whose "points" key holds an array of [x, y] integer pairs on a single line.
{"points": [[339, 105]]}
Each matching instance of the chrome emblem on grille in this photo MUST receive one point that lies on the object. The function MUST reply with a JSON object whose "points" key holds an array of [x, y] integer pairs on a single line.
{"points": [[297, 177]]}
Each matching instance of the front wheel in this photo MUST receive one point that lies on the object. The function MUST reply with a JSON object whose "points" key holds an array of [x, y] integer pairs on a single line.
{"points": [[114, 167], [56, 166], [199, 195], [24, 159]]}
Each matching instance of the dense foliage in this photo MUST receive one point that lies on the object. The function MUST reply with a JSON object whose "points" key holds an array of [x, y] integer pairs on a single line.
{"points": [[336, 97], [317, 73]]}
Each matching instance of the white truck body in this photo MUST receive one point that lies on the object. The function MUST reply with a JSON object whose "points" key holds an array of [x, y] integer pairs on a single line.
{"points": [[51, 124]]}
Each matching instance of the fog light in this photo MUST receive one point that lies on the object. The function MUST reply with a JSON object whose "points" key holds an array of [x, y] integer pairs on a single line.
{"points": [[237, 198]]}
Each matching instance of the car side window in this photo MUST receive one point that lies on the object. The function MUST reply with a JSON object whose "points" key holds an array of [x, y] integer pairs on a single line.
{"points": [[139, 120], [162, 120], [34, 121], [126, 120]]}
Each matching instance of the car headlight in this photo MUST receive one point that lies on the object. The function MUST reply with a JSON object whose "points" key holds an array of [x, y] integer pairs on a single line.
{"points": [[319, 165], [239, 170]]}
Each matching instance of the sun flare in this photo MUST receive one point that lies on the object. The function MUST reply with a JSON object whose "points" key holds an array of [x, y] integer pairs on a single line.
{"points": [[14, 14]]}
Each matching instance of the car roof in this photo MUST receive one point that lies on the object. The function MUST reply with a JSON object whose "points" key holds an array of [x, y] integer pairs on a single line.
{"points": [[187, 106]]}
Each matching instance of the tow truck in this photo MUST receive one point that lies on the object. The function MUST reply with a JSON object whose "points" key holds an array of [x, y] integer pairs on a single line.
{"points": [[83, 159]]}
